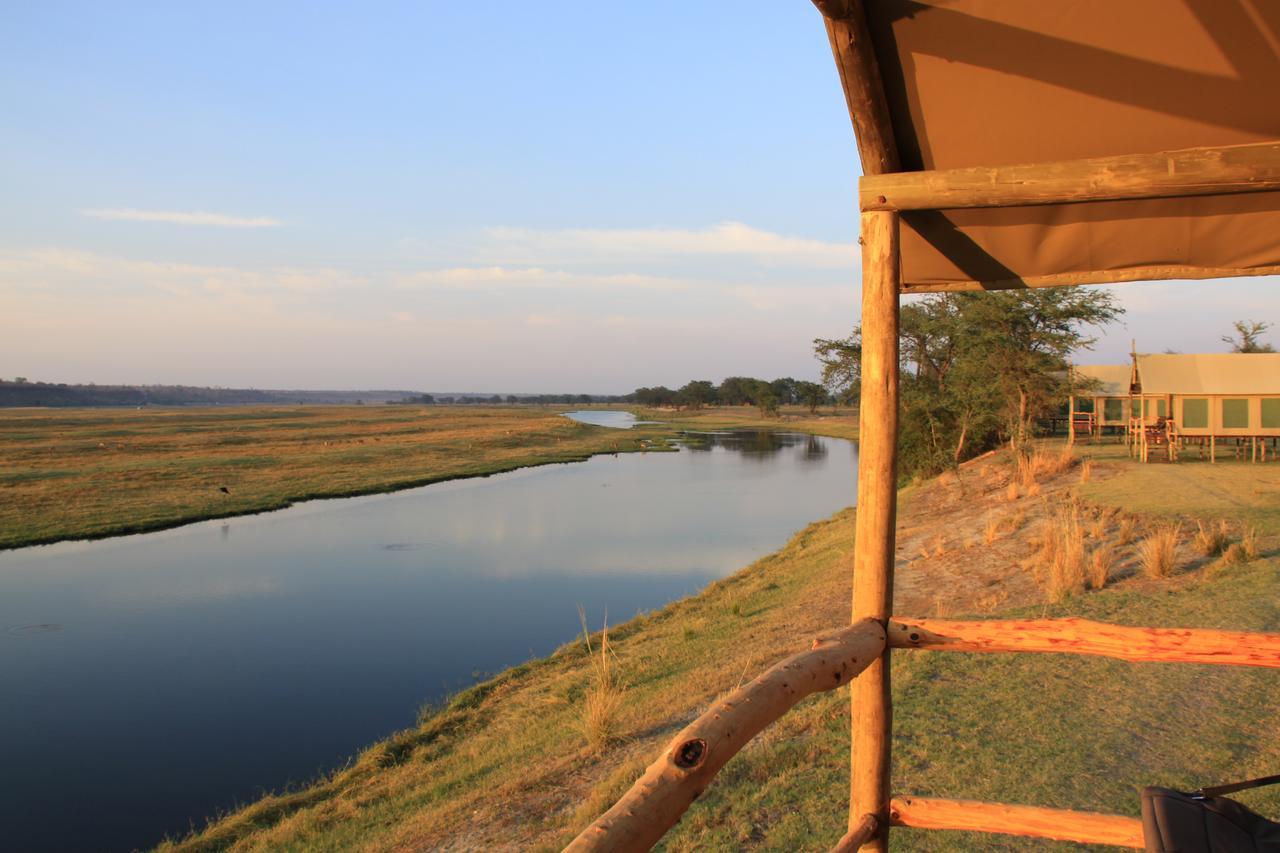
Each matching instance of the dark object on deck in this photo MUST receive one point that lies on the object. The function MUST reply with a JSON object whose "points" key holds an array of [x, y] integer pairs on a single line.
{"points": [[224, 490], [1174, 822]]}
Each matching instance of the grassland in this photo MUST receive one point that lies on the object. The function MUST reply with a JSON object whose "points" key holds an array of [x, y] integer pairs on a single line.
{"points": [[506, 765], [843, 424], [69, 474]]}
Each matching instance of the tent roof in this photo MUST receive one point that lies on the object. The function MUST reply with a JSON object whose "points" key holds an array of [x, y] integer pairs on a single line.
{"points": [[1112, 379], [985, 83], [1210, 373]]}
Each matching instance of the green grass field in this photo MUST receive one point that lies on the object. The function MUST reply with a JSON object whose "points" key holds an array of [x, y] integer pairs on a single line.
{"points": [[508, 765], [84, 473]]}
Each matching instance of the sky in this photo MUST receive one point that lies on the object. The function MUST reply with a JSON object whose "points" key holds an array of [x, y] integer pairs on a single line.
{"points": [[496, 197]]}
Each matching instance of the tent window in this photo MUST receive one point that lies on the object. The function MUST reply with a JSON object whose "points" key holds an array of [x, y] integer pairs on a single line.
{"points": [[1235, 414], [1162, 409], [1271, 413], [1085, 404], [1113, 410], [1135, 408], [1195, 414]]}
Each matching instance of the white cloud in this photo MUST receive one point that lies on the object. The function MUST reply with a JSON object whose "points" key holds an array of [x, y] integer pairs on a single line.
{"points": [[174, 217], [505, 278], [723, 239]]}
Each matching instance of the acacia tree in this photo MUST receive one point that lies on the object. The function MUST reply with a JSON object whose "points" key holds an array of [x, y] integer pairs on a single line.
{"points": [[976, 367], [811, 394], [1248, 331]]}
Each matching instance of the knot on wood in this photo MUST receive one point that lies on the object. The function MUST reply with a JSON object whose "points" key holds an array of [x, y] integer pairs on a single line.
{"points": [[690, 753]]}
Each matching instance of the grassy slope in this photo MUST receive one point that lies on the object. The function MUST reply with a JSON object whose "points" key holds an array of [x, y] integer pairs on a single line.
{"points": [[793, 418], [100, 472], [505, 765]]}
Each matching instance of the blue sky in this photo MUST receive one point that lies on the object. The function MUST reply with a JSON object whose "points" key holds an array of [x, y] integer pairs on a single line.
{"points": [[509, 197]]}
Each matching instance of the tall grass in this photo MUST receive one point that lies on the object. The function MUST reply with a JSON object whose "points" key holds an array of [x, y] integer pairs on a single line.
{"points": [[1101, 559], [1128, 527], [602, 704], [1211, 541], [1156, 552], [1249, 543], [1062, 553]]}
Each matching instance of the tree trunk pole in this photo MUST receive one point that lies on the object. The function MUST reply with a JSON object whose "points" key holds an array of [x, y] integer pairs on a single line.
{"points": [[876, 517]]}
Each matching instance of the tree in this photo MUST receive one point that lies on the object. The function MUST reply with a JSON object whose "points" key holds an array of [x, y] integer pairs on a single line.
{"points": [[696, 394], [976, 368], [1249, 332], [736, 391], [512, 399], [811, 394], [765, 398], [841, 364]]}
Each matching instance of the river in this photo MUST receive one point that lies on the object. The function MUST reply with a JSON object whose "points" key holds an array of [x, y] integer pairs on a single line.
{"points": [[152, 680]]}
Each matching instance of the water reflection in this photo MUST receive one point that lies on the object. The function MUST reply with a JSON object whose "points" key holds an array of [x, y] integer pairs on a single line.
{"points": [[214, 666]]}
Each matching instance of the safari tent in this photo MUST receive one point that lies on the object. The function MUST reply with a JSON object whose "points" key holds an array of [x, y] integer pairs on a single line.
{"points": [[1100, 398], [1006, 144]]}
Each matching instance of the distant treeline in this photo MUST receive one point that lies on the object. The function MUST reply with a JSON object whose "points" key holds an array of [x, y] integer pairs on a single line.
{"points": [[512, 399], [736, 391], [20, 392]]}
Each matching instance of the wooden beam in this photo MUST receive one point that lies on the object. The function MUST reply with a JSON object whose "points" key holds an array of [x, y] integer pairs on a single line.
{"points": [[865, 829], [1212, 170], [1161, 272], [1084, 637], [873, 559], [686, 767], [860, 77], [1060, 824]]}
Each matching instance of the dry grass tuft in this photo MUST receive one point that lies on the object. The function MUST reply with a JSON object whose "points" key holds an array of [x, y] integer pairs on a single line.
{"points": [[1211, 541], [1249, 543], [1041, 463], [1098, 528], [990, 530], [1128, 527], [1012, 491], [1062, 554], [1101, 559], [1156, 552], [602, 705], [1086, 470]]}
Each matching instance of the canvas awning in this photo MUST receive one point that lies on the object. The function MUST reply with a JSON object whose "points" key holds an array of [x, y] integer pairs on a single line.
{"points": [[988, 83]]}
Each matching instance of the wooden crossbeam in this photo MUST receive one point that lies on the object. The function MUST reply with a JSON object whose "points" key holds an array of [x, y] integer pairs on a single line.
{"points": [[1032, 821], [1084, 637], [686, 767], [1214, 170], [859, 834]]}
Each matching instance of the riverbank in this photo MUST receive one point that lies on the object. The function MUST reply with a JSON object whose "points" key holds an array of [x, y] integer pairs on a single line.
{"points": [[841, 424], [507, 765], [93, 473]]}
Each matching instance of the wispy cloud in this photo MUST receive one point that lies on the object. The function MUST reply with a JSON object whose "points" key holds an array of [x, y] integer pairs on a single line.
{"points": [[176, 217], [505, 278], [529, 245]]}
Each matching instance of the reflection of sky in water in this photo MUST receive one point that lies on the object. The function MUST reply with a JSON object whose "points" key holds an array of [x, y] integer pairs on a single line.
{"points": [[191, 668]]}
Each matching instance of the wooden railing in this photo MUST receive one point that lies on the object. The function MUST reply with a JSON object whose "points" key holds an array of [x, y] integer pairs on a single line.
{"points": [[686, 767]]}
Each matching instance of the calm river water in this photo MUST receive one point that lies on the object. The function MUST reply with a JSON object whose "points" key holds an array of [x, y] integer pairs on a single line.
{"points": [[149, 681]]}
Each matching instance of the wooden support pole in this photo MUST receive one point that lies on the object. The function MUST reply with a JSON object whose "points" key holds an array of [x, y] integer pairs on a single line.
{"points": [[686, 767], [1071, 420], [876, 515], [1060, 824], [1214, 170], [1084, 637]]}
